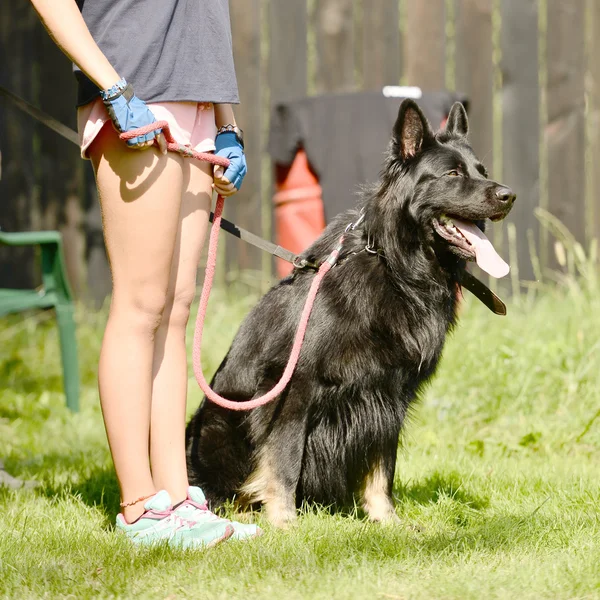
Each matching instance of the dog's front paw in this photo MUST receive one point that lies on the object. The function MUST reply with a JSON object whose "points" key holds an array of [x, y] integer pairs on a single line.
{"points": [[388, 518], [380, 509], [280, 515]]}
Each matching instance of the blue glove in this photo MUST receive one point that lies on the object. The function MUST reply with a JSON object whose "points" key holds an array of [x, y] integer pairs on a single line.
{"points": [[128, 112], [228, 145]]}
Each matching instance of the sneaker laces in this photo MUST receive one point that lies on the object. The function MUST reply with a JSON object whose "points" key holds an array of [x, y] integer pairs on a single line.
{"points": [[177, 521], [203, 508]]}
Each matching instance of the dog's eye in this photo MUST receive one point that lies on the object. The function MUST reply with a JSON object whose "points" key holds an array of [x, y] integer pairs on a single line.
{"points": [[453, 173]]}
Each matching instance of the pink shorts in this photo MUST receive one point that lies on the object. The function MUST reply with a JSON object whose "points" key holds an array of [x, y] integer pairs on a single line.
{"points": [[191, 123]]}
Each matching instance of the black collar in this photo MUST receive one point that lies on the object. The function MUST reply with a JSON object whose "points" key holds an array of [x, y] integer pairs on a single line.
{"points": [[465, 279]]}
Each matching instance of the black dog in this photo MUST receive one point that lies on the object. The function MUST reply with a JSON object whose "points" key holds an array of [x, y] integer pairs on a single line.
{"points": [[374, 338]]}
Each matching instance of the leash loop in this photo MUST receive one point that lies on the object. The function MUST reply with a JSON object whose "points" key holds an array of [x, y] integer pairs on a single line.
{"points": [[173, 146], [211, 262]]}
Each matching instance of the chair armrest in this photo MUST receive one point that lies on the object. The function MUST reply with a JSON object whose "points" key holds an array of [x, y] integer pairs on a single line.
{"points": [[54, 275], [30, 238]]}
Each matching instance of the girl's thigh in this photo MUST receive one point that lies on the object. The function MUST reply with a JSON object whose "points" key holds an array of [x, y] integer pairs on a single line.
{"points": [[140, 193], [195, 208]]}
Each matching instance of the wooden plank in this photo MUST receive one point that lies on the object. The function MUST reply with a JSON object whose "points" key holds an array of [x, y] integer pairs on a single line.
{"points": [[475, 72], [18, 204], [288, 57], [288, 80], [380, 44], [334, 26], [593, 121], [245, 207], [425, 44], [565, 132], [520, 120], [42, 186], [61, 174]]}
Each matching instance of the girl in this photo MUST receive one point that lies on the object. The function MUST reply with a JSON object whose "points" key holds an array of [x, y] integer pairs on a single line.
{"points": [[155, 206]]}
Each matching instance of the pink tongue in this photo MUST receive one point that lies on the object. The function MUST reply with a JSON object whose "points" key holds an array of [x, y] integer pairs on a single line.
{"points": [[487, 258]]}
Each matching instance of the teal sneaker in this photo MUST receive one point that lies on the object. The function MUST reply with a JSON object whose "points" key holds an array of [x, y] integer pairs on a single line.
{"points": [[195, 509], [161, 523]]}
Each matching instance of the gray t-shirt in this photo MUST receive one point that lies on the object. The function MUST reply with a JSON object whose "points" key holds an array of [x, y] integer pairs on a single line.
{"points": [[170, 50]]}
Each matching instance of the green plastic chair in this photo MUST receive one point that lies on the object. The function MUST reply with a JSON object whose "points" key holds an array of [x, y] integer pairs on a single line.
{"points": [[55, 293]]}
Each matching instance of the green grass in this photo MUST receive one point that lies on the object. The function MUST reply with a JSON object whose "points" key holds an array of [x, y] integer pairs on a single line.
{"points": [[497, 482]]}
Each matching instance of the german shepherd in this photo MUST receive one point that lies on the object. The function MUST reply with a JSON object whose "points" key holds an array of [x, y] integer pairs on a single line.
{"points": [[375, 336]]}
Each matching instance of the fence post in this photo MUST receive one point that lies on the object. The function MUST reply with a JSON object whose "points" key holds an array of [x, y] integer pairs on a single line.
{"points": [[565, 132], [381, 52], [334, 24], [425, 44], [288, 57], [19, 208], [520, 120], [245, 208], [593, 124], [62, 181], [475, 72]]}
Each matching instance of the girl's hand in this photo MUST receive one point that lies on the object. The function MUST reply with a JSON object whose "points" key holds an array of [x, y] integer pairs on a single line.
{"points": [[128, 112], [229, 182]]}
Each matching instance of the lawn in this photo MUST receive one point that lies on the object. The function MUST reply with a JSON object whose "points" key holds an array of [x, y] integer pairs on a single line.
{"points": [[497, 483]]}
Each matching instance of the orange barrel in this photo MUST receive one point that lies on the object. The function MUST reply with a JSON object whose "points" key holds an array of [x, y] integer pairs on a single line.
{"points": [[299, 215]]}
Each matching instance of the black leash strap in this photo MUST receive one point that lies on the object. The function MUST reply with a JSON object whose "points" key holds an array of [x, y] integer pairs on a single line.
{"points": [[72, 136], [41, 116], [251, 238]]}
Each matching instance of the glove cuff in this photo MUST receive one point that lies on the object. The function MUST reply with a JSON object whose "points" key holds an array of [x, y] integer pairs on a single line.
{"points": [[235, 130], [112, 95], [115, 91]]}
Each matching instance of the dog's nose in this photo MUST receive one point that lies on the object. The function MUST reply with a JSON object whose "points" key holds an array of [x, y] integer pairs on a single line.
{"points": [[505, 194]]}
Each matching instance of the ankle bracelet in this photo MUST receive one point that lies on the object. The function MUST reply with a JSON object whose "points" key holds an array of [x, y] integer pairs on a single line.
{"points": [[125, 504]]}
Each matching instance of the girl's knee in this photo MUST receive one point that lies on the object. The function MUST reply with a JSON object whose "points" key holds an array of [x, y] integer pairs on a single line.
{"points": [[179, 305], [143, 309]]}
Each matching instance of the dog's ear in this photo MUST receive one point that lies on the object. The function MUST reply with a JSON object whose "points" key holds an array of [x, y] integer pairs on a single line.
{"points": [[411, 130], [457, 123]]}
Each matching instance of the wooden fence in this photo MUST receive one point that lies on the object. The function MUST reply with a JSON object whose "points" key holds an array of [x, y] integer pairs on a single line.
{"points": [[531, 69]]}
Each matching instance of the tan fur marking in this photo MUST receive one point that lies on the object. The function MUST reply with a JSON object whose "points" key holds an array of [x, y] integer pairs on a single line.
{"points": [[262, 486], [376, 501]]}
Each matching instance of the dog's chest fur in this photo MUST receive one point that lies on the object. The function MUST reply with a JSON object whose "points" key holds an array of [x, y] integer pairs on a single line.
{"points": [[367, 325]]}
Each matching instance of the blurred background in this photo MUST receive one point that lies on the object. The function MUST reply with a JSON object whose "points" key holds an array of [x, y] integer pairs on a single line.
{"points": [[312, 75]]}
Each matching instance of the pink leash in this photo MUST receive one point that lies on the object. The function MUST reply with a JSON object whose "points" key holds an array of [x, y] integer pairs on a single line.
{"points": [[173, 146]]}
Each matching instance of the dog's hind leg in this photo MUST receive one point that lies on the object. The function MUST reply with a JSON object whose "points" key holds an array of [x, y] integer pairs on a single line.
{"points": [[376, 491], [277, 465]]}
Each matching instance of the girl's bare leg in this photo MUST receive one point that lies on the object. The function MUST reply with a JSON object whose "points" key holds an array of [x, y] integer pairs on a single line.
{"points": [[140, 194], [167, 430]]}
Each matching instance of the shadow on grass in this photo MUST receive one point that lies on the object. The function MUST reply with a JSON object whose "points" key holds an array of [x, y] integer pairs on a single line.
{"points": [[99, 489], [436, 487], [432, 490]]}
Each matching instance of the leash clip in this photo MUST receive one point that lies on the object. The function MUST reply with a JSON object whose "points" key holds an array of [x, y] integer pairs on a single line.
{"points": [[355, 224], [302, 263]]}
